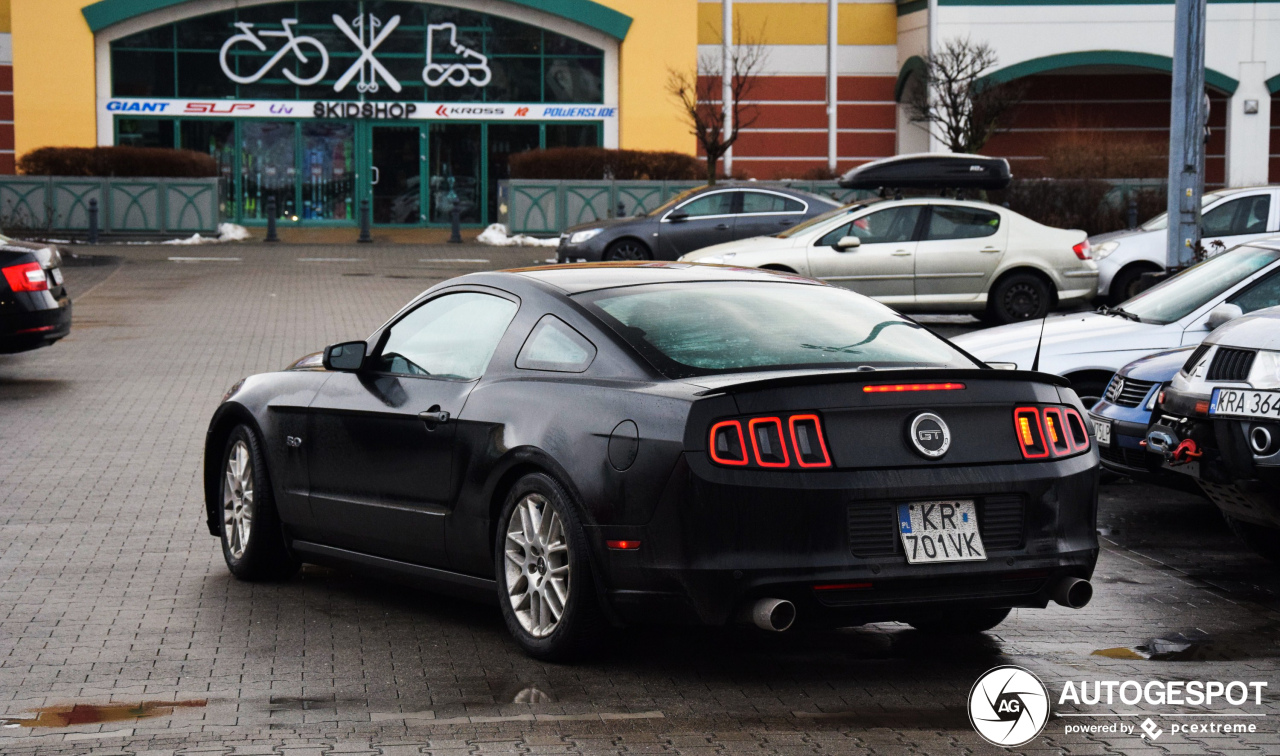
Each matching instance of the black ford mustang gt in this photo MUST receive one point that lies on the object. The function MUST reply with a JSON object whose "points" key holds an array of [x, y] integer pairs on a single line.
{"points": [[634, 443]]}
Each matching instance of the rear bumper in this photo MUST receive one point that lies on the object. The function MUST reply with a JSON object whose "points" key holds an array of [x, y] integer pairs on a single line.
{"points": [[23, 331], [711, 548]]}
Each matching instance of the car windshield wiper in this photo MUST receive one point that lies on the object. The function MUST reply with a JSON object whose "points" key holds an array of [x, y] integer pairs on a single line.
{"points": [[1121, 312]]}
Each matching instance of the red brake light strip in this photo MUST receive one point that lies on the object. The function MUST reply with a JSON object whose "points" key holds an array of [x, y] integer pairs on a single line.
{"points": [[1022, 417], [892, 388]]}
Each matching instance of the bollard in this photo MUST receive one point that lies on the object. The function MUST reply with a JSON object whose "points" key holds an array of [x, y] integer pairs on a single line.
{"points": [[1133, 212], [622, 210], [93, 221], [455, 224], [365, 236], [272, 236]]}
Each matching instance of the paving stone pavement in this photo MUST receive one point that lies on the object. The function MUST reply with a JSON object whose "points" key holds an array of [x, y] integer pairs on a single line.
{"points": [[111, 590]]}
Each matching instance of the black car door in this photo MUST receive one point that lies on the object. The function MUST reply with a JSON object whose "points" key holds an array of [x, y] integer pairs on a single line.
{"points": [[766, 213], [382, 449], [699, 222]]}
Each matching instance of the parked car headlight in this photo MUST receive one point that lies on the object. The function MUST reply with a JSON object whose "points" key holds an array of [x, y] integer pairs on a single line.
{"points": [[1104, 249], [578, 237], [1266, 370], [232, 391]]}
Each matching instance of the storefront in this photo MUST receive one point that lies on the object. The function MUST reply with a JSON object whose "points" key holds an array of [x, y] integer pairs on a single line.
{"points": [[320, 105]]}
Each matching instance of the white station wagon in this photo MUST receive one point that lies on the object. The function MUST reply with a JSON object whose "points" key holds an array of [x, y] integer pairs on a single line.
{"points": [[932, 255]]}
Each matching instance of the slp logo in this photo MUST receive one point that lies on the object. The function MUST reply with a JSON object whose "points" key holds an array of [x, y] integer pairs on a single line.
{"points": [[214, 107], [1008, 706]]}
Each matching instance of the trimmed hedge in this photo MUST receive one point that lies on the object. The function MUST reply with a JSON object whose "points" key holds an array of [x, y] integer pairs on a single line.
{"points": [[596, 163], [105, 162]]}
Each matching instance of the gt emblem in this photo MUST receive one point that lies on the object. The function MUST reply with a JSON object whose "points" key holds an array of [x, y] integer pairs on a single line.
{"points": [[929, 435]]}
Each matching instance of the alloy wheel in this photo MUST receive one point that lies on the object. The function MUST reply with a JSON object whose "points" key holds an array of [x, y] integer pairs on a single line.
{"points": [[1022, 301], [537, 565], [624, 251], [237, 499]]}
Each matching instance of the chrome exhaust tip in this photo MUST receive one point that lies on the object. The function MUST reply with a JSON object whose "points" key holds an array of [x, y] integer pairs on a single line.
{"points": [[1073, 593], [774, 615], [1260, 439]]}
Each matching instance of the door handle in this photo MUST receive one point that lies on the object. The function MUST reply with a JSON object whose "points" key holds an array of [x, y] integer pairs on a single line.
{"points": [[722, 227], [902, 253], [786, 223], [989, 249], [434, 417], [377, 174]]}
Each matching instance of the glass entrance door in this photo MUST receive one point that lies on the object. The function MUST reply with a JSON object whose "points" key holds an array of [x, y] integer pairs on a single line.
{"points": [[396, 174]]}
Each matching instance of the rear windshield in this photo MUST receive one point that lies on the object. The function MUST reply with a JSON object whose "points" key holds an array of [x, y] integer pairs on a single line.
{"points": [[1191, 289], [709, 328]]}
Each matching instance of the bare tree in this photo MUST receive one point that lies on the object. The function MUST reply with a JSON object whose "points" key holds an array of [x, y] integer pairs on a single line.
{"points": [[699, 95], [957, 106]]}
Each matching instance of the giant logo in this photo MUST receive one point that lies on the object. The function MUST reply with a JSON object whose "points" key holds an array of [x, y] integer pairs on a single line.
{"points": [[1008, 706]]}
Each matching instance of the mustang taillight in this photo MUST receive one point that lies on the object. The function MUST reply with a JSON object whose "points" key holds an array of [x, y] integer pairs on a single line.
{"points": [[727, 445], [806, 438], [26, 277], [893, 388], [774, 441], [767, 443], [1056, 430]]}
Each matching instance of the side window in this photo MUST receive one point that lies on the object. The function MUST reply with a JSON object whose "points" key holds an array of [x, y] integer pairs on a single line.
{"points": [[890, 226], [950, 222], [555, 345], [452, 337], [760, 202], [1247, 215], [1264, 293], [720, 203]]}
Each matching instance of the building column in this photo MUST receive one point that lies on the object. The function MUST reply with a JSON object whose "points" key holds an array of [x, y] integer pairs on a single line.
{"points": [[1249, 128]]}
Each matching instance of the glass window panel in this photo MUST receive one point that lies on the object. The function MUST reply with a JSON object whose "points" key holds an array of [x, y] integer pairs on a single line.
{"points": [[894, 225], [960, 223], [504, 141], [455, 171], [439, 14], [507, 37], [720, 203], [207, 32], [558, 44], [328, 171], [200, 75], [761, 202], [320, 14], [144, 132], [161, 36], [141, 74], [555, 345], [451, 337], [1265, 293], [268, 15], [574, 80], [514, 80], [572, 135], [267, 167], [217, 138]]}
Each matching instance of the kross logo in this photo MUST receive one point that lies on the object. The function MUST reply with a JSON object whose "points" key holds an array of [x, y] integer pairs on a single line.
{"points": [[1008, 706]]}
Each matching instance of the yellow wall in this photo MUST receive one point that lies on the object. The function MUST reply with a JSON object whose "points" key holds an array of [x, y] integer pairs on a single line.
{"points": [[663, 36], [801, 23], [54, 83], [53, 75]]}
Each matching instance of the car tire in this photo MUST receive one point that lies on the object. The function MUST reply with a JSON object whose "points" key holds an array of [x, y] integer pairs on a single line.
{"points": [[1264, 541], [627, 250], [965, 622], [1018, 297], [542, 566], [1123, 284], [252, 540]]}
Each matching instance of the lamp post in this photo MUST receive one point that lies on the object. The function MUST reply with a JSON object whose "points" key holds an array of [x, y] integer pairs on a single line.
{"points": [[1189, 111], [726, 78]]}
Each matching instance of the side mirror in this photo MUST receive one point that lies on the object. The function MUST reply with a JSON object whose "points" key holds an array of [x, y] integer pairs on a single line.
{"points": [[847, 242], [1222, 314], [347, 357], [678, 216]]}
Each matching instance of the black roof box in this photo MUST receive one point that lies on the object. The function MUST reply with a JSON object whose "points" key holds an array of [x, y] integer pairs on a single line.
{"points": [[930, 171]]}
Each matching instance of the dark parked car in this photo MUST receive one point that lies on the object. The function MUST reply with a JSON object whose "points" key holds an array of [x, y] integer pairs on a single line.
{"points": [[35, 310], [593, 445], [691, 220]]}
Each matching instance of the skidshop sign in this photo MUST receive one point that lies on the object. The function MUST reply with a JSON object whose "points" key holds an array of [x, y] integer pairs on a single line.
{"points": [[304, 60], [349, 110]]}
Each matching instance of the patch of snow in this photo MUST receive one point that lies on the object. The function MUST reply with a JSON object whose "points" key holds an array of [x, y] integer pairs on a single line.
{"points": [[227, 232], [496, 235]]}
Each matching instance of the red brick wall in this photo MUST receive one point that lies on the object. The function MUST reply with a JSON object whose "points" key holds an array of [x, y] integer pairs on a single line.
{"points": [[1108, 106], [789, 138]]}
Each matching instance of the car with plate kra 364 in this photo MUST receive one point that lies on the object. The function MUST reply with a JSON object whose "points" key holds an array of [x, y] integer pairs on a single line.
{"points": [[691, 220], [1219, 421], [35, 309], [613, 444], [1121, 418]]}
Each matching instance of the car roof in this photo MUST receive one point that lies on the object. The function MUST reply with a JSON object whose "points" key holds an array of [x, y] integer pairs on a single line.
{"points": [[1272, 243], [739, 185], [575, 279]]}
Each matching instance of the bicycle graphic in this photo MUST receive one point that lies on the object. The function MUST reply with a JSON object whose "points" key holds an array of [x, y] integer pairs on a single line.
{"points": [[293, 45]]}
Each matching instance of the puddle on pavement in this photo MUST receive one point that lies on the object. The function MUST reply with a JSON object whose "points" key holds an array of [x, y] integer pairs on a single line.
{"points": [[68, 715]]}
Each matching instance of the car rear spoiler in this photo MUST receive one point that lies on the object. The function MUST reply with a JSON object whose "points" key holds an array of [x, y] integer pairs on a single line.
{"points": [[737, 382]]}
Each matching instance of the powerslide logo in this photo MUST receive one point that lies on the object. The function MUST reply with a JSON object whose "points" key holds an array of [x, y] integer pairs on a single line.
{"points": [[1008, 706]]}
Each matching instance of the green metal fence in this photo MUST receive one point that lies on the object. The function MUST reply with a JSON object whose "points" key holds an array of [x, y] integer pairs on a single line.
{"points": [[548, 207], [132, 206]]}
